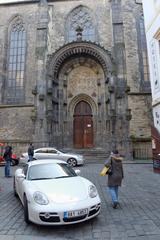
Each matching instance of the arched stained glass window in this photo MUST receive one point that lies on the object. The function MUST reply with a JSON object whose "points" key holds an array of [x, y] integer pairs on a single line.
{"points": [[80, 18], [16, 63]]}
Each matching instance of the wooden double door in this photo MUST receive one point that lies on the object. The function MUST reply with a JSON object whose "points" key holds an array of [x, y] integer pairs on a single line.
{"points": [[83, 126]]}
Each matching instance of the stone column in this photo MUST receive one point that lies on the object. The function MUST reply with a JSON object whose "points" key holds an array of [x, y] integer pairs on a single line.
{"points": [[2, 71], [41, 46]]}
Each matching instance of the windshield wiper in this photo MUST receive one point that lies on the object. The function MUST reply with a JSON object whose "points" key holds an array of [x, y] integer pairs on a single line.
{"points": [[62, 177], [40, 178]]}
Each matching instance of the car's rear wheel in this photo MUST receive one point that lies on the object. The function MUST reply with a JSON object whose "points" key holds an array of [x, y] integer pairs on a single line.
{"points": [[26, 215], [72, 162]]}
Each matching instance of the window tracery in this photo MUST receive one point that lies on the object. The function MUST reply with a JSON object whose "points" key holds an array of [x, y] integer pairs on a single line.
{"points": [[16, 62], [80, 18]]}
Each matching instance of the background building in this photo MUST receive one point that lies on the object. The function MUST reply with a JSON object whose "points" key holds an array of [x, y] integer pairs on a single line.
{"points": [[152, 25], [74, 74]]}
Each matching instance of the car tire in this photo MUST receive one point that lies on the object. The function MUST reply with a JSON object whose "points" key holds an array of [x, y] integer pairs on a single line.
{"points": [[72, 162], [26, 215], [14, 188]]}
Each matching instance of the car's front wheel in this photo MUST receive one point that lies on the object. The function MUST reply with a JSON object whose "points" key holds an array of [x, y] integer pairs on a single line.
{"points": [[72, 162], [26, 215]]}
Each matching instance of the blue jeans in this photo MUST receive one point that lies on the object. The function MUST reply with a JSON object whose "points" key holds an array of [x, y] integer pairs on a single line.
{"points": [[30, 158], [7, 168], [114, 193]]}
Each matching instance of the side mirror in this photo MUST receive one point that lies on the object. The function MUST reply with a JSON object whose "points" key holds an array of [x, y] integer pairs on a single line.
{"points": [[77, 171], [21, 175]]}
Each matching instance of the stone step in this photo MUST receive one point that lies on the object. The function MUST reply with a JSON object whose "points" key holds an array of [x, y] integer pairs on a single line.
{"points": [[100, 156], [91, 155]]}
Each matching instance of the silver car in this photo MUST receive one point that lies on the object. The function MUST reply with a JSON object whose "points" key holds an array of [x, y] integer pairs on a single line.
{"points": [[52, 153]]}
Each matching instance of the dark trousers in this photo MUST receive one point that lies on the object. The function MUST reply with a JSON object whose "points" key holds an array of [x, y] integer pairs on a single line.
{"points": [[7, 168], [30, 158]]}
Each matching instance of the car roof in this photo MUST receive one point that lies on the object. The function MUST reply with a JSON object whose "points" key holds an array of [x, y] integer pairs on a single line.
{"points": [[43, 148], [43, 161]]}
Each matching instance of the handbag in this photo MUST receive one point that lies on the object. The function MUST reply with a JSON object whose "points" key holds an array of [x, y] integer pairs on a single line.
{"points": [[104, 171]]}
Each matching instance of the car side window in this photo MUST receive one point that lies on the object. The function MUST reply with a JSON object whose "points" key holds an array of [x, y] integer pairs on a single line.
{"points": [[52, 151], [42, 151]]}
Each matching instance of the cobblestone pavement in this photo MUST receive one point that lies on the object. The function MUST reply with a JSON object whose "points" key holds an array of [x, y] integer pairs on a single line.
{"points": [[137, 219]]}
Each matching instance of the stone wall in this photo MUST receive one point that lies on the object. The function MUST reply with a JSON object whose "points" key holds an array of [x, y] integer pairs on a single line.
{"points": [[46, 28]]}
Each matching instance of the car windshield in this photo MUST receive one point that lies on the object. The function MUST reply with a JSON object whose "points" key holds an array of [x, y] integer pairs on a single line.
{"points": [[50, 171]]}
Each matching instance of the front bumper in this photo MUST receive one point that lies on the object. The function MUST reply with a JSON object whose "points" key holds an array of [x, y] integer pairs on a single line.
{"points": [[51, 215], [80, 161]]}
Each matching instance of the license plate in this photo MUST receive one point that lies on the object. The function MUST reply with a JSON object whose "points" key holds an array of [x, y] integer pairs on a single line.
{"points": [[77, 213]]}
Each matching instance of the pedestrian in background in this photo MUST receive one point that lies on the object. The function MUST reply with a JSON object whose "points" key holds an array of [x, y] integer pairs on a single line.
{"points": [[7, 156], [115, 176], [30, 152]]}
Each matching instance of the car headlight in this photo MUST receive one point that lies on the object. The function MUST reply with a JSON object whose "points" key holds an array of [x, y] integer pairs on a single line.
{"points": [[40, 198], [92, 191]]}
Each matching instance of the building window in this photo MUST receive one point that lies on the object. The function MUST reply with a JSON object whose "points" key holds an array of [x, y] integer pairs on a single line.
{"points": [[14, 89], [143, 57], [154, 47], [80, 18], [154, 66], [156, 114]]}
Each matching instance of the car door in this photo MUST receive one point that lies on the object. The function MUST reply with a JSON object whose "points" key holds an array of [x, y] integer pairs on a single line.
{"points": [[53, 153]]}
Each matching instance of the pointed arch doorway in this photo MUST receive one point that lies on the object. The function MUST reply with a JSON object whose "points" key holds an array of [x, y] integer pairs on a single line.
{"points": [[83, 125]]}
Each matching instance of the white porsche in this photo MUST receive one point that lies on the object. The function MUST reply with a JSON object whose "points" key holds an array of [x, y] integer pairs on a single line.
{"points": [[52, 193]]}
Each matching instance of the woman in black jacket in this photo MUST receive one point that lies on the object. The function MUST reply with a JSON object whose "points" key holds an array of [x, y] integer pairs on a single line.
{"points": [[115, 176]]}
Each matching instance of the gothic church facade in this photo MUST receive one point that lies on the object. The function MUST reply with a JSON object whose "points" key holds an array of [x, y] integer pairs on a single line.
{"points": [[74, 74]]}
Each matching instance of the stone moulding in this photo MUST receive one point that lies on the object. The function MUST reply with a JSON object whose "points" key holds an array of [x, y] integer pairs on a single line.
{"points": [[33, 114], [140, 139], [111, 89], [128, 89], [34, 90], [49, 91], [128, 114], [107, 100], [93, 50], [41, 97], [113, 113]]}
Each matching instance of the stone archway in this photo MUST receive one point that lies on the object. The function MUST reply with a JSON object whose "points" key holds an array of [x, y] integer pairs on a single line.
{"points": [[101, 55], [83, 110], [81, 72]]}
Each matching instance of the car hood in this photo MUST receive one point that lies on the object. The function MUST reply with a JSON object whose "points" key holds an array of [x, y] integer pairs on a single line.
{"points": [[63, 190]]}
